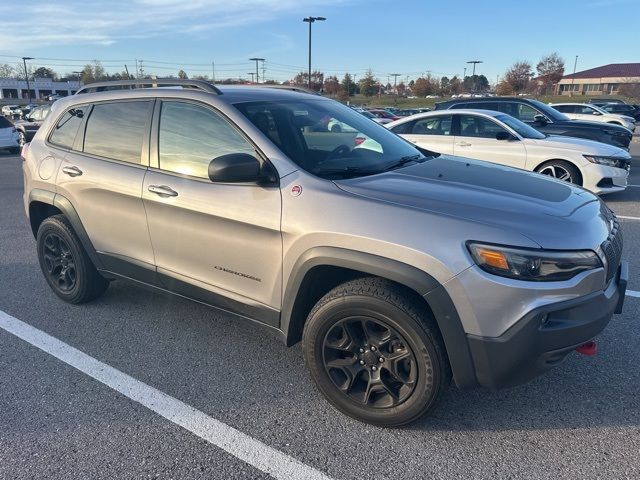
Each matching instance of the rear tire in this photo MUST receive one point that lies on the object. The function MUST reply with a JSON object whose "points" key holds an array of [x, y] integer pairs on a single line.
{"points": [[65, 264], [561, 170], [375, 352]]}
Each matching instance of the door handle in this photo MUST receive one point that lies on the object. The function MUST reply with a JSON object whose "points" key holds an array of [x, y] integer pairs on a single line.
{"points": [[72, 171], [163, 191], [463, 144]]}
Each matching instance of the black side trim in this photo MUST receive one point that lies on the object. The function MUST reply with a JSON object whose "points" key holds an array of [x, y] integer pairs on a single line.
{"points": [[129, 267], [65, 206], [417, 280], [454, 336], [255, 311]]}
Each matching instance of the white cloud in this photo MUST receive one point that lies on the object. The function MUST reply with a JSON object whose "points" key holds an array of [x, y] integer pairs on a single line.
{"points": [[42, 23]]}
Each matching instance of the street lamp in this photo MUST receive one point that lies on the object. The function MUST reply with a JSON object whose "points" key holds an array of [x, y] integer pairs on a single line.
{"points": [[473, 75], [26, 74], [255, 59], [310, 20]]}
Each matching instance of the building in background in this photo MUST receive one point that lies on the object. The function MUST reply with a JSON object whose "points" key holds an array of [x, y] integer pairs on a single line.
{"points": [[605, 80], [41, 88]]}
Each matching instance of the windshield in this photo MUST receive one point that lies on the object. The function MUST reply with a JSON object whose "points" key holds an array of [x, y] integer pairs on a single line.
{"points": [[521, 128], [329, 139], [550, 112]]}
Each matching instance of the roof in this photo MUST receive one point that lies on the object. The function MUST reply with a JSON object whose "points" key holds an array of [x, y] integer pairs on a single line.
{"points": [[611, 70]]}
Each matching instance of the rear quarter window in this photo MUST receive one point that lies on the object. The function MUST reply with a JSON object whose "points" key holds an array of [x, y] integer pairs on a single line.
{"points": [[64, 133]]}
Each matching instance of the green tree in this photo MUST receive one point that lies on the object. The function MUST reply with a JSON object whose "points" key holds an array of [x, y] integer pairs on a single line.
{"points": [[348, 85], [44, 72], [332, 85], [368, 84], [182, 74]]}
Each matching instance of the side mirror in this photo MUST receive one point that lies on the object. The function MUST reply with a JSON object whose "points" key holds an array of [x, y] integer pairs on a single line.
{"points": [[503, 136], [596, 113], [238, 168], [540, 119]]}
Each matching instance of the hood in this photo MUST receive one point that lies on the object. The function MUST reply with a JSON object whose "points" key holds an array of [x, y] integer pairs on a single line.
{"points": [[553, 214], [581, 145]]}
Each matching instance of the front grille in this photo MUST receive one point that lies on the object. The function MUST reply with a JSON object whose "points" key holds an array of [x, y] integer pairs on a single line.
{"points": [[612, 247]]}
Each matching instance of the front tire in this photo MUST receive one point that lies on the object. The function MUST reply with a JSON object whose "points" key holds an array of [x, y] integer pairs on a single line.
{"points": [[375, 352], [65, 264], [561, 170]]}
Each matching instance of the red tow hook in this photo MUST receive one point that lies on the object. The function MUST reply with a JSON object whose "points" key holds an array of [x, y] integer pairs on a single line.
{"points": [[589, 348]]}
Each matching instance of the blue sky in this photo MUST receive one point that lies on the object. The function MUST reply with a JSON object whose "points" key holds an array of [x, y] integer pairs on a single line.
{"points": [[409, 37]]}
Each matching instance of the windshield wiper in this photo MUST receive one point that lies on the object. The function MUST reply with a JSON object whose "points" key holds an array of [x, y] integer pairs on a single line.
{"points": [[403, 161], [348, 171]]}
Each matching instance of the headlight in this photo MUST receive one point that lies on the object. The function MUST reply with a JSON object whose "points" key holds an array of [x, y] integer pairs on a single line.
{"points": [[532, 265], [608, 161]]}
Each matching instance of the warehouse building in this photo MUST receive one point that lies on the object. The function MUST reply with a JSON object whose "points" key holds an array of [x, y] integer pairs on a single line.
{"points": [[605, 80], [41, 88]]}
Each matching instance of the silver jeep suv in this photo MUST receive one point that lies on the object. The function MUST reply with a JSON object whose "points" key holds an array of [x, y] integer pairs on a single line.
{"points": [[399, 269]]}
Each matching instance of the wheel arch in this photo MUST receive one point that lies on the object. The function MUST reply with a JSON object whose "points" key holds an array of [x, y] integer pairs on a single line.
{"points": [[571, 162], [44, 204], [320, 269]]}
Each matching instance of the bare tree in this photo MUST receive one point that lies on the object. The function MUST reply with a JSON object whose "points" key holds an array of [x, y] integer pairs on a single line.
{"points": [[550, 70], [518, 76], [6, 70]]}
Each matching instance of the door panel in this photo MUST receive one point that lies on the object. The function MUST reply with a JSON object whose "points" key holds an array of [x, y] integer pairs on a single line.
{"points": [[106, 192], [477, 139], [433, 133], [222, 237], [107, 197], [225, 236]]}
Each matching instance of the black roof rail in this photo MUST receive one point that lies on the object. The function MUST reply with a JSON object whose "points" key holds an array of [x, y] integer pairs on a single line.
{"points": [[149, 83], [294, 88]]}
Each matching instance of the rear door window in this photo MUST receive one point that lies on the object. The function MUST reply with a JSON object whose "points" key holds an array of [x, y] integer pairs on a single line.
{"points": [[432, 126], [479, 127], [525, 113], [117, 130], [65, 131]]}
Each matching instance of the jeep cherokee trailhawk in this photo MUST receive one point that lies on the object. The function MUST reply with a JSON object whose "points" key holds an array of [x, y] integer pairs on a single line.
{"points": [[399, 269]]}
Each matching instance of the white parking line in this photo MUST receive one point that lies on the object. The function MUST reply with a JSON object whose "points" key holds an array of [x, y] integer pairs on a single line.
{"points": [[238, 444], [627, 218], [633, 293]]}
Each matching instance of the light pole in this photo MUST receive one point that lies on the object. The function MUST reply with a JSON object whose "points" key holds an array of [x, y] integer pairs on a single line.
{"points": [[395, 82], [26, 74], [256, 59], [473, 75], [310, 20], [575, 65], [78, 74], [252, 76]]}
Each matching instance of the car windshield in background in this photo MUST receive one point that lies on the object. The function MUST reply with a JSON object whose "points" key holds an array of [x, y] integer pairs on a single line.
{"points": [[521, 128], [328, 139], [550, 112]]}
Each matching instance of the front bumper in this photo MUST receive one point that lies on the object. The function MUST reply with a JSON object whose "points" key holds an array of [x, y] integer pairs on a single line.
{"points": [[545, 336]]}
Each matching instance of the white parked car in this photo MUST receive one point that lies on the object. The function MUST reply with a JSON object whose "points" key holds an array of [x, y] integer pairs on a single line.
{"points": [[593, 113], [499, 138], [337, 126], [11, 110], [9, 138]]}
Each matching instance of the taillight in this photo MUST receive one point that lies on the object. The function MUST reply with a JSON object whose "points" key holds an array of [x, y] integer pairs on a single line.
{"points": [[358, 140]]}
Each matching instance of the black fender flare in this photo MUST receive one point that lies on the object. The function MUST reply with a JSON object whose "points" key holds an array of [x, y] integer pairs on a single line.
{"points": [[68, 210], [419, 281]]}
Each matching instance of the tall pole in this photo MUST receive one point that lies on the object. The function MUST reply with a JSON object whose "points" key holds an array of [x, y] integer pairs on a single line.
{"points": [[213, 72], [395, 81], [80, 73], [26, 74], [252, 76], [473, 75], [575, 65], [256, 59], [310, 20]]}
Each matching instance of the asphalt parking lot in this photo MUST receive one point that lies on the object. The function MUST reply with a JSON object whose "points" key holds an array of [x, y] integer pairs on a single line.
{"points": [[581, 420]]}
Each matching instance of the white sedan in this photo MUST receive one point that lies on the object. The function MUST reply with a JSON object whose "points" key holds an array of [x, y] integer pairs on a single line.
{"points": [[9, 138], [593, 113], [499, 138]]}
